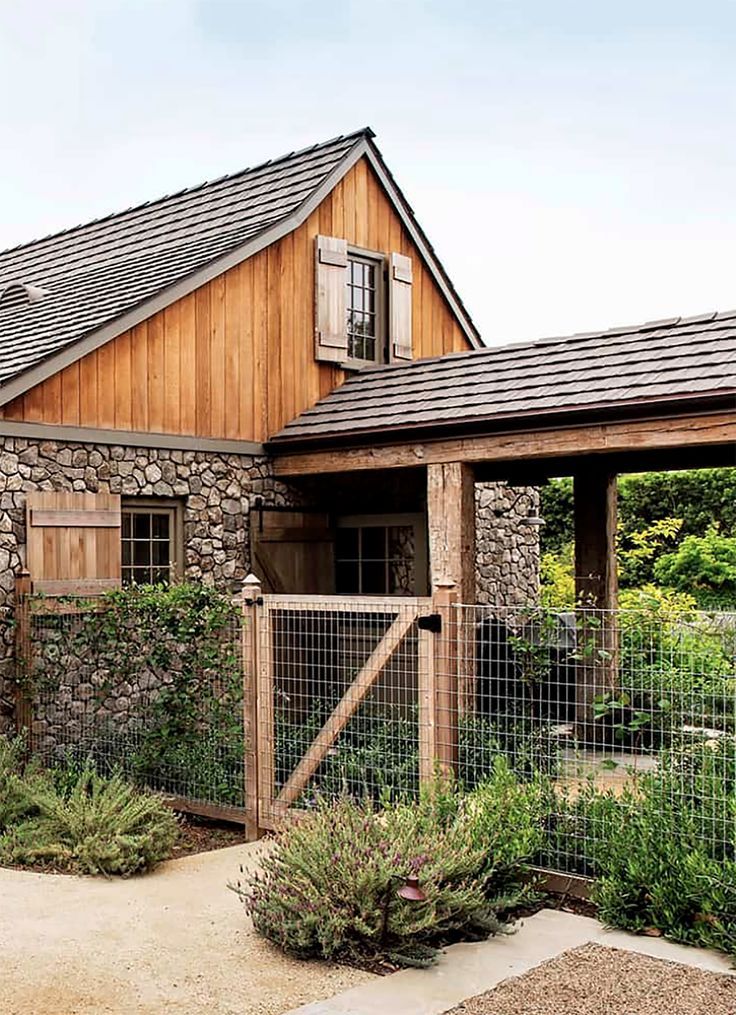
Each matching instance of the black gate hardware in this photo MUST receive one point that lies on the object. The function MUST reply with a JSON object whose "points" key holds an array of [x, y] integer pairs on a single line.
{"points": [[432, 622]]}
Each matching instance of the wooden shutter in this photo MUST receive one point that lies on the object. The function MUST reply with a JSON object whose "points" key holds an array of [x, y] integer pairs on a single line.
{"points": [[73, 542], [293, 551], [399, 285], [331, 328]]}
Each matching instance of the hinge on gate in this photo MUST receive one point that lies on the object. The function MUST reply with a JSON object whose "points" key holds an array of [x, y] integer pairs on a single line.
{"points": [[432, 622]]}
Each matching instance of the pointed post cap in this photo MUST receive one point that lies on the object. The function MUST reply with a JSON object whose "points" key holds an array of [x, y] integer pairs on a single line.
{"points": [[251, 580]]}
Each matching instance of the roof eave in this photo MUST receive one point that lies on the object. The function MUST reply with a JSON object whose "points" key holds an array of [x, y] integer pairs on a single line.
{"points": [[715, 400]]}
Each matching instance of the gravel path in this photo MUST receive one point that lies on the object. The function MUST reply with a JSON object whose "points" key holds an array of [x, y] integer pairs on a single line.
{"points": [[594, 980], [174, 941]]}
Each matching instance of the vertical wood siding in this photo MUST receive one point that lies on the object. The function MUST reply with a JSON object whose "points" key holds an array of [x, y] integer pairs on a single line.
{"points": [[236, 358]]}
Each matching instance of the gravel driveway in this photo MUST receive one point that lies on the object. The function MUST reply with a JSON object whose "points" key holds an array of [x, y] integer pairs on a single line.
{"points": [[174, 941]]}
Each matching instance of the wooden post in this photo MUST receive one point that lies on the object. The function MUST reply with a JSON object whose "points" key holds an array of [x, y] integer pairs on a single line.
{"points": [[451, 529], [23, 657], [596, 589], [446, 673], [252, 596]]}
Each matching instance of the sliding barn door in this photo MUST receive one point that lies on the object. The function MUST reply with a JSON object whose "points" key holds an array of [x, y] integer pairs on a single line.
{"points": [[293, 552], [73, 542]]}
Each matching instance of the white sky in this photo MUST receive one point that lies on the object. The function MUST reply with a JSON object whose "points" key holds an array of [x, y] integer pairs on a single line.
{"points": [[572, 162]]}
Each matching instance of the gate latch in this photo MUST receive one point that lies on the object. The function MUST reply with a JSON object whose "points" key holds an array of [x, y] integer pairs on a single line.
{"points": [[432, 622]]}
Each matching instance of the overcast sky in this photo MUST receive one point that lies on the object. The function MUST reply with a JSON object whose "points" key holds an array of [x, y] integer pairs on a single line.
{"points": [[572, 162]]}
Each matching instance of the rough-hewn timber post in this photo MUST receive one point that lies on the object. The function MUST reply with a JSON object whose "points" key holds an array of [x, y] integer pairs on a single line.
{"points": [[596, 589], [446, 673], [252, 595], [23, 657], [451, 529]]}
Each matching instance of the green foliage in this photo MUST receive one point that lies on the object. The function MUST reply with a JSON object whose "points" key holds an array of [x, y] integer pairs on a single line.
{"points": [[639, 550], [704, 565], [378, 753], [699, 497], [329, 884], [78, 820], [178, 647], [16, 785], [664, 863], [557, 578]]}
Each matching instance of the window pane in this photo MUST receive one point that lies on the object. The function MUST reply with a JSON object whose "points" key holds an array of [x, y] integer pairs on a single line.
{"points": [[161, 525], [126, 524], [347, 544], [346, 577], [141, 553], [141, 526], [160, 552], [374, 543], [373, 574]]}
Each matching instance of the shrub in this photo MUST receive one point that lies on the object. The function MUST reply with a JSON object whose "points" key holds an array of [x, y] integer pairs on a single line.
{"points": [[16, 785], [324, 889], [656, 868], [703, 565], [90, 823]]}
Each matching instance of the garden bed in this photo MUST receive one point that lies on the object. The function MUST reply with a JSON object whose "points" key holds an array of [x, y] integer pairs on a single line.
{"points": [[594, 980]]}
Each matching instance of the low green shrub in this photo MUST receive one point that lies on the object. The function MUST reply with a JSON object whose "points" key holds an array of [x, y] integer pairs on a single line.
{"points": [[656, 869], [328, 889], [76, 819], [15, 790]]}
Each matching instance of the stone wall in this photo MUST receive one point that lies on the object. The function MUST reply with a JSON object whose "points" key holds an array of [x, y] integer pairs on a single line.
{"points": [[507, 553], [215, 491]]}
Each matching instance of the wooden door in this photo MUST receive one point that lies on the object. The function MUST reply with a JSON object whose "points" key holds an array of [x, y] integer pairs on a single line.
{"points": [[293, 551]]}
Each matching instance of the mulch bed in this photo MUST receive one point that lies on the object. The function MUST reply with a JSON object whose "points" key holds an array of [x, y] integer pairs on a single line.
{"points": [[200, 835], [595, 980]]}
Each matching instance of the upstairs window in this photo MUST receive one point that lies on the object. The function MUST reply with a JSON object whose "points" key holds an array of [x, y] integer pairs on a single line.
{"points": [[365, 310], [363, 305], [151, 536]]}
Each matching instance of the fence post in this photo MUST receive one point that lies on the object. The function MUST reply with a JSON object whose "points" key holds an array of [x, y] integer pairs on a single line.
{"points": [[252, 600], [23, 659], [445, 672]]}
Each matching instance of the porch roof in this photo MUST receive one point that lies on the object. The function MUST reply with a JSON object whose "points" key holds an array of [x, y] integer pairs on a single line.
{"points": [[622, 371]]}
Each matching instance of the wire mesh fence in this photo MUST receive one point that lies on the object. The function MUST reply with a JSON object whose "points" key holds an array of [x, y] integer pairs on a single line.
{"points": [[147, 692], [351, 696], [610, 708]]}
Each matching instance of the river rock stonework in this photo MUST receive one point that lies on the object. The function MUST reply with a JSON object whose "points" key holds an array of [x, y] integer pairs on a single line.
{"points": [[215, 490], [506, 552]]}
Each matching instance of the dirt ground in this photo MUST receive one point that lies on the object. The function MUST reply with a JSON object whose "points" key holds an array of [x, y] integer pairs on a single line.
{"points": [[175, 941], [595, 980]]}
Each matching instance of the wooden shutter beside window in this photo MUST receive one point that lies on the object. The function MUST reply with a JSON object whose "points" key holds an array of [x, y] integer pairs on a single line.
{"points": [[73, 542], [399, 284], [331, 331]]}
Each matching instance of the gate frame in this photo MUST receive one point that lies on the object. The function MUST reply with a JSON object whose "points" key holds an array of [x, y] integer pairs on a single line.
{"points": [[437, 690]]}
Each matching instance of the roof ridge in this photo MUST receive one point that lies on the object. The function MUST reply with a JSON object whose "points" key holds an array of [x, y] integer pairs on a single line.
{"points": [[362, 132]]}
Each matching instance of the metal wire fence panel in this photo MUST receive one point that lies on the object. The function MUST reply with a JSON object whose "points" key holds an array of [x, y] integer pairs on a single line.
{"points": [[604, 705], [144, 691]]}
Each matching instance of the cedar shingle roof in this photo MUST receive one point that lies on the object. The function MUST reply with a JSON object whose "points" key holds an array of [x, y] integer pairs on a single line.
{"points": [[96, 272], [657, 361]]}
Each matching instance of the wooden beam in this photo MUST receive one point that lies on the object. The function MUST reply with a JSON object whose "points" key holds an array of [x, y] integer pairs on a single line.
{"points": [[344, 709], [693, 430], [596, 588], [451, 526], [595, 506]]}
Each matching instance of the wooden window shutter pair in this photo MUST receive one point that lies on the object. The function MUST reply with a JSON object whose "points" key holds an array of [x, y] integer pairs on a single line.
{"points": [[331, 336]]}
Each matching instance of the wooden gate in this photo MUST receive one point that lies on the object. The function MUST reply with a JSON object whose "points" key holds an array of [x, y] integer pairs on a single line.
{"points": [[299, 647]]}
